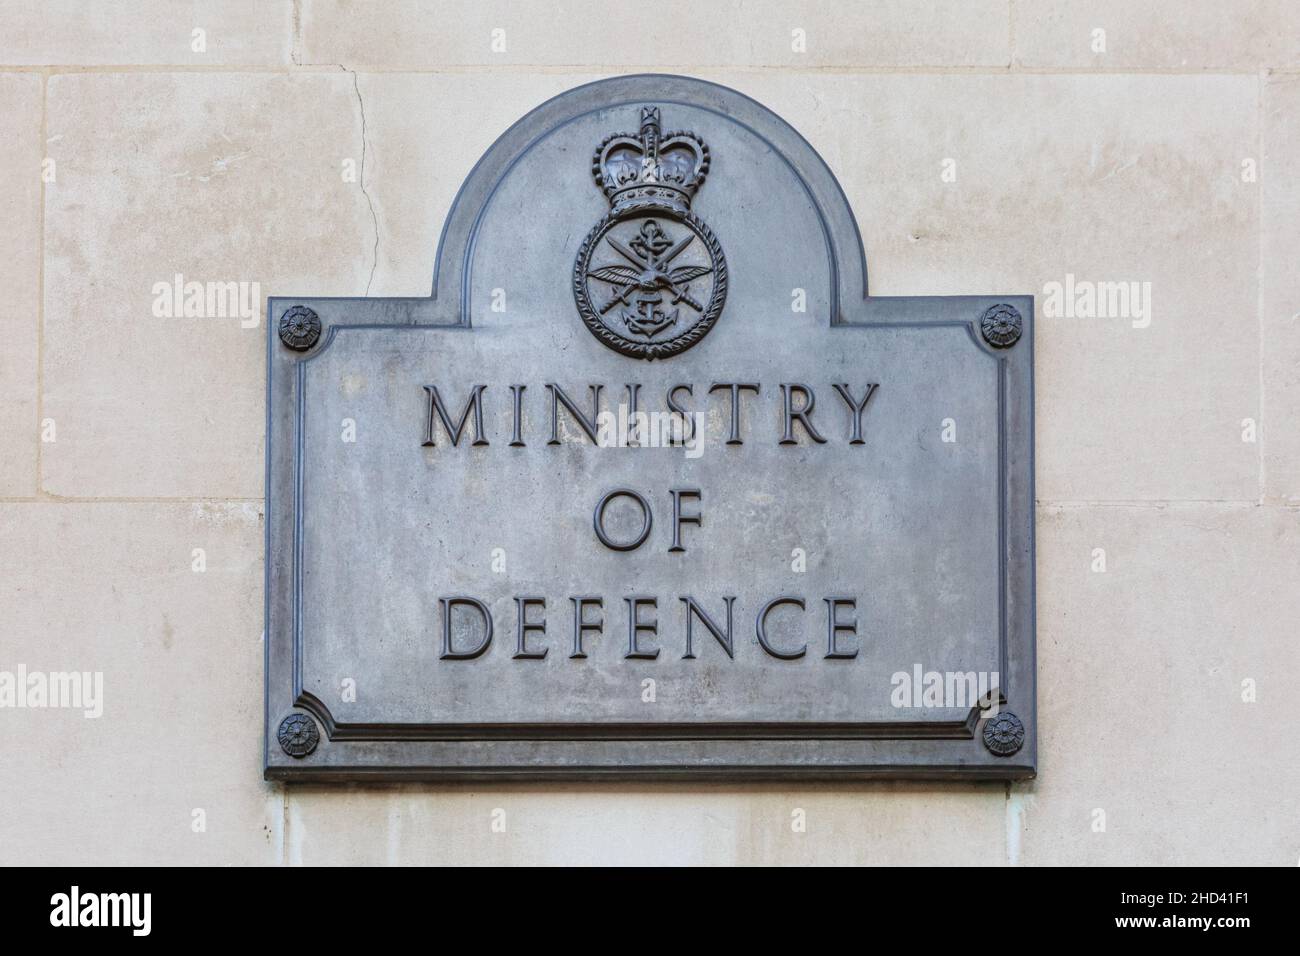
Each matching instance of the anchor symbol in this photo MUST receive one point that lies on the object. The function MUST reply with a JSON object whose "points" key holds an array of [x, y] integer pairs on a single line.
{"points": [[648, 319]]}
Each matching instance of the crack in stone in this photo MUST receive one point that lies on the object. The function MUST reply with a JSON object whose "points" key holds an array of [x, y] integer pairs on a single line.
{"points": [[374, 217], [295, 46]]}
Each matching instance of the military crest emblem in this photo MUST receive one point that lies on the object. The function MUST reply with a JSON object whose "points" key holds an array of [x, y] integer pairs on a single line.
{"points": [[650, 279]]}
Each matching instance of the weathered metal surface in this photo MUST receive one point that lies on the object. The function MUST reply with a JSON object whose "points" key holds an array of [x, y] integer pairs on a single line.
{"points": [[856, 497]]}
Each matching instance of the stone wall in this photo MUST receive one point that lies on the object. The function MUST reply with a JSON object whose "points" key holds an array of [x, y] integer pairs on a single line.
{"points": [[989, 146]]}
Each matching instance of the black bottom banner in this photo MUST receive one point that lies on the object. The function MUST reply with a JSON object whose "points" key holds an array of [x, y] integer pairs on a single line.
{"points": [[211, 905]]}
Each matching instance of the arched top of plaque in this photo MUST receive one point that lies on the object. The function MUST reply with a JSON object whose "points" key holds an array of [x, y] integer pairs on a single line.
{"points": [[658, 138]]}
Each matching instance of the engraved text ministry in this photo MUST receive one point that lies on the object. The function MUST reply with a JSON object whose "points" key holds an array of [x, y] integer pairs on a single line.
{"points": [[797, 404]]}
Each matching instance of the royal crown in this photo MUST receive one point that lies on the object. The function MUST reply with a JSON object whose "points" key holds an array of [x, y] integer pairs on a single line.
{"points": [[650, 171]]}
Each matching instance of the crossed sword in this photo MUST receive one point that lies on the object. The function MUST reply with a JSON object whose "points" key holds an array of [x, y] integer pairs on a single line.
{"points": [[679, 294]]}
